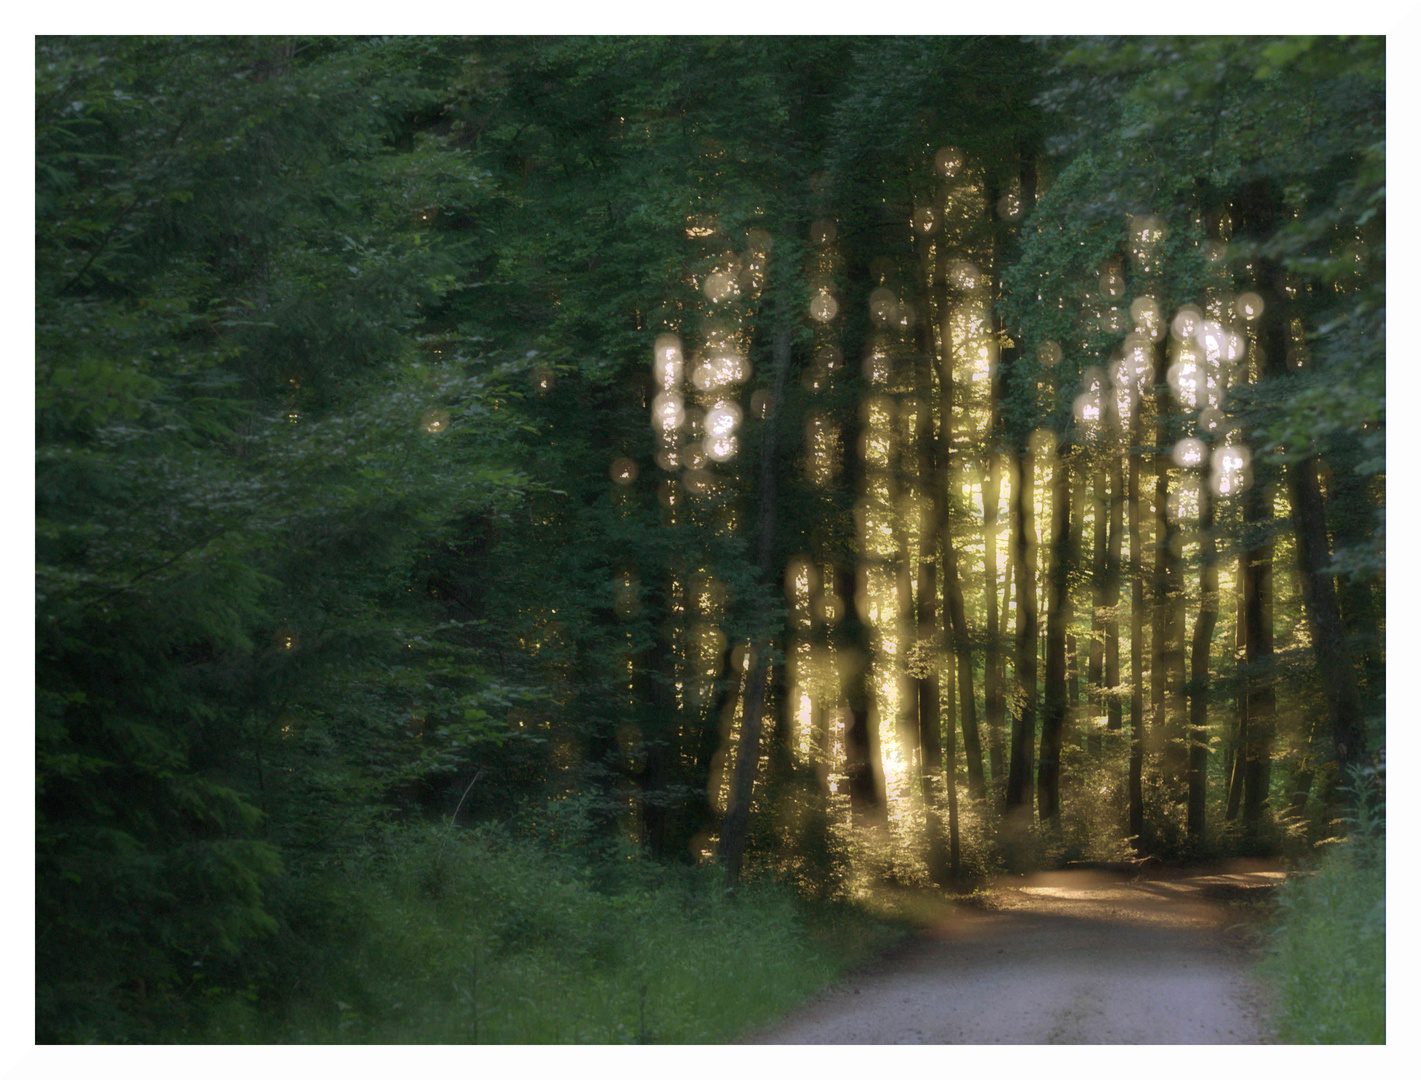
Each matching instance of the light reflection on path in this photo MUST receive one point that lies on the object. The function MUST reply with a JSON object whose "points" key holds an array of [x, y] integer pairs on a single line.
{"points": [[1074, 956]]}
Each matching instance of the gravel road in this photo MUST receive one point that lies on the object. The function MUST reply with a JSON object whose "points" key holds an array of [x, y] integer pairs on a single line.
{"points": [[1074, 956]]}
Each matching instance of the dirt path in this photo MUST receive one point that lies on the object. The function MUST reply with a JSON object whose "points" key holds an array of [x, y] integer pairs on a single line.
{"points": [[1068, 957]]}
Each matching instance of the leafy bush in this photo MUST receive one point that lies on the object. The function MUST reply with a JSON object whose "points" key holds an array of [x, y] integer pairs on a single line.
{"points": [[1328, 954], [469, 936]]}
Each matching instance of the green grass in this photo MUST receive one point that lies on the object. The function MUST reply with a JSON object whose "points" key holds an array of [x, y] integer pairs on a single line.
{"points": [[1327, 957], [469, 937]]}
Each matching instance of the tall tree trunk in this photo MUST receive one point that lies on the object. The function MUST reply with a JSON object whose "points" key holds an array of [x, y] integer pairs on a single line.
{"points": [[1137, 650], [954, 839], [995, 703], [1058, 617], [1018, 795], [930, 714], [1329, 639], [952, 582], [1199, 665], [928, 660], [1113, 707], [1167, 682], [737, 817], [1259, 702], [1095, 671]]}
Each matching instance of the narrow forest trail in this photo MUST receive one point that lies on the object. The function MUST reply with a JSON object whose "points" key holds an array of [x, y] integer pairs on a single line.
{"points": [[1072, 956]]}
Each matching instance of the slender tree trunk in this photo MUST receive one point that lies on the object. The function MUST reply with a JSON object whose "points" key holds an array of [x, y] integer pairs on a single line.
{"points": [[1238, 754], [1095, 672], [1137, 652], [954, 839], [995, 704], [926, 668], [737, 817], [1058, 617], [930, 715], [952, 582], [1113, 708], [1018, 796], [1199, 668]]}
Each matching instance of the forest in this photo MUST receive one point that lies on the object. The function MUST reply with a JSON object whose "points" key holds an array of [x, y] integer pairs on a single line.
{"points": [[505, 490]]}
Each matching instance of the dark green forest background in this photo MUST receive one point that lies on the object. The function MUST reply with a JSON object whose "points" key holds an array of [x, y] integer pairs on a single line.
{"points": [[820, 462]]}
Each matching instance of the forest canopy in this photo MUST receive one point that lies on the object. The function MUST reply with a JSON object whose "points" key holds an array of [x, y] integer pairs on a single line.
{"points": [[839, 460]]}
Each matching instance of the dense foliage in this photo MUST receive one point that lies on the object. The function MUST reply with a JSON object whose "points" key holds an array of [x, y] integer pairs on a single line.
{"points": [[848, 460]]}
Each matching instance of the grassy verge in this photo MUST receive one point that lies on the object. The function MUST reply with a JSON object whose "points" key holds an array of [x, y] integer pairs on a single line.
{"points": [[1327, 956], [471, 938]]}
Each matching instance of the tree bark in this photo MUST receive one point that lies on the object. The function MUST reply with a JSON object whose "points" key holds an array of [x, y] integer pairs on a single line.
{"points": [[1329, 639], [737, 817], [995, 703], [1058, 618], [1199, 666], [1018, 795], [1113, 708], [1136, 781]]}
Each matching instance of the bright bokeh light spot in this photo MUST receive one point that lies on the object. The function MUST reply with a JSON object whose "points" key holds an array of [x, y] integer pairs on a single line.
{"points": [[1249, 306], [1112, 285], [435, 421], [1230, 470], [668, 411], [623, 471], [883, 306], [1186, 322], [1048, 354], [823, 307], [720, 448], [1186, 381], [1149, 322], [722, 419], [963, 276], [1189, 452], [1009, 206], [949, 162], [725, 369], [1087, 408], [924, 219], [668, 363], [719, 286]]}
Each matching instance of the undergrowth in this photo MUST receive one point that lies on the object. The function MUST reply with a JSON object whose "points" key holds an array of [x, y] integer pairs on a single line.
{"points": [[1327, 955], [471, 936]]}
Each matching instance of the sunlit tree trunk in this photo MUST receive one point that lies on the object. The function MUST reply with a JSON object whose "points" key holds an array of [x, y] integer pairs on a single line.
{"points": [[1199, 668], [1167, 674], [952, 582], [1136, 782], [1018, 795], [733, 831], [927, 662], [1113, 709], [995, 703], [954, 839], [1058, 617], [1095, 671], [1256, 726]]}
